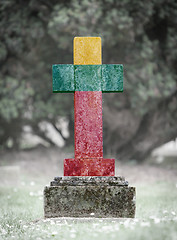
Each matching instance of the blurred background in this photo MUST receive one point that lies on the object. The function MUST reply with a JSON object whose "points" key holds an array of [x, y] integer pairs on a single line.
{"points": [[37, 126], [34, 34]]}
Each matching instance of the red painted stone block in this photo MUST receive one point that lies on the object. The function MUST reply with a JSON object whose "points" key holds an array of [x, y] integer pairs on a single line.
{"points": [[89, 167], [88, 124]]}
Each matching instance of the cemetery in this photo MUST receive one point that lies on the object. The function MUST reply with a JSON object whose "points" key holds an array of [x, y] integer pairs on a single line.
{"points": [[87, 200], [88, 109], [22, 205]]}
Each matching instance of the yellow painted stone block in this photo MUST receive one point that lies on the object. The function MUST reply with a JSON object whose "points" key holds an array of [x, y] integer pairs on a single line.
{"points": [[87, 51]]}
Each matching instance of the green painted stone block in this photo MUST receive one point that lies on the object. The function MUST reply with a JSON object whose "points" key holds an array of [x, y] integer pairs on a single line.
{"points": [[70, 78], [63, 78], [87, 77], [112, 78]]}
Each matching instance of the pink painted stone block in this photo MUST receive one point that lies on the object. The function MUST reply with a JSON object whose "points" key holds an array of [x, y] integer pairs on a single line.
{"points": [[88, 124], [89, 167]]}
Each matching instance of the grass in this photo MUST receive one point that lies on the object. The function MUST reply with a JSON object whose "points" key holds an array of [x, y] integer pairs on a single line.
{"points": [[21, 206], [21, 216]]}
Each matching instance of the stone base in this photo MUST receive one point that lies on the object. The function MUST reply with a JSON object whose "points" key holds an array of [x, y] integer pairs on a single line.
{"points": [[89, 197]]}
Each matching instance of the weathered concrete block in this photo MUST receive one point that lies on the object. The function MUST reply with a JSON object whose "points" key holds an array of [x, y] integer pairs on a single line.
{"points": [[112, 78], [63, 78], [89, 197], [87, 77]]}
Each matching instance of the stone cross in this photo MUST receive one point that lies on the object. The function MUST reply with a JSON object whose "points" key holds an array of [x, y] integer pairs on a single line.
{"points": [[88, 78], [88, 187]]}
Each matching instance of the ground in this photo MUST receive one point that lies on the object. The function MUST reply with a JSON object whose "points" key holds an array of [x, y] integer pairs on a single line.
{"points": [[23, 176]]}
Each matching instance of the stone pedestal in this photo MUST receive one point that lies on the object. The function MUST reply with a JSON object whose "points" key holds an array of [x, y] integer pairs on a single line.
{"points": [[89, 197]]}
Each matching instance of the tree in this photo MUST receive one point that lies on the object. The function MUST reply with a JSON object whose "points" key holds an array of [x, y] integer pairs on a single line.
{"points": [[141, 35]]}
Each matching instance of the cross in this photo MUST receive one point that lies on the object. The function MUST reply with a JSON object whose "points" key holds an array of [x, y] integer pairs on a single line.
{"points": [[88, 78]]}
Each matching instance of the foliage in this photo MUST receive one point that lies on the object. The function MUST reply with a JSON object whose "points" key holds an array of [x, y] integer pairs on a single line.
{"points": [[35, 34]]}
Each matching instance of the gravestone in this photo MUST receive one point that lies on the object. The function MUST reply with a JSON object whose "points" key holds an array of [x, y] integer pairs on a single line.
{"points": [[89, 187]]}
